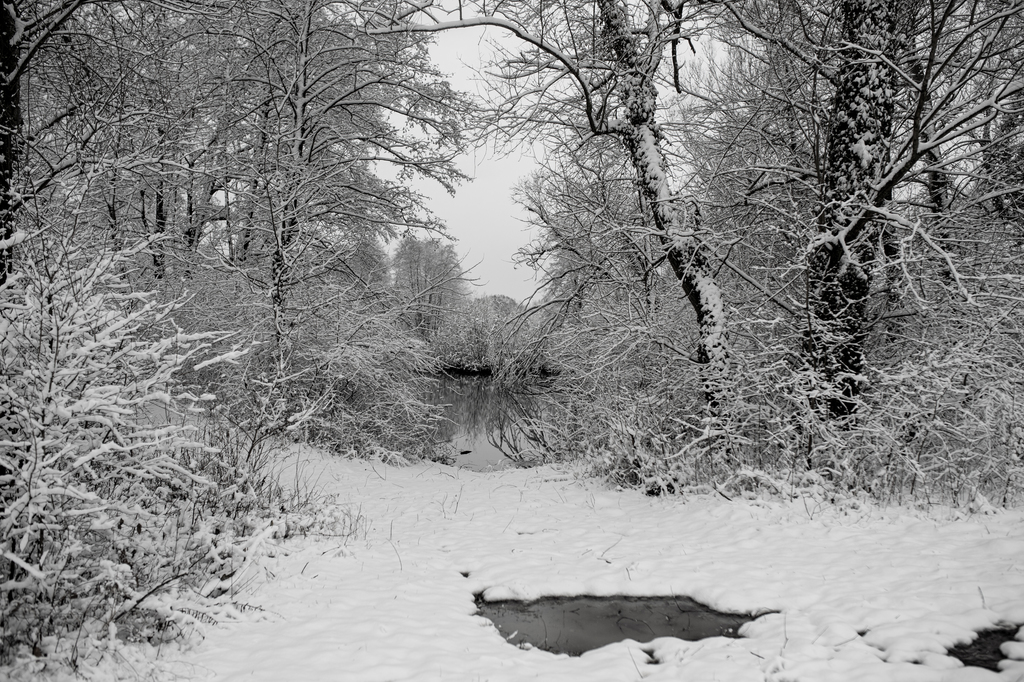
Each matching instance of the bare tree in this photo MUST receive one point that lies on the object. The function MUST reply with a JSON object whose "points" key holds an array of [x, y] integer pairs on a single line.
{"points": [[323, 107], [594, 245], [428, 281], [24, 30], [888, 120], [587, 70]]}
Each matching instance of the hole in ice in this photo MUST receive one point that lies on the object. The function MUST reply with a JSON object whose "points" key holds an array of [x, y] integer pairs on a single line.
{"points": [[572, 625], [984, 651], [464, 574]]}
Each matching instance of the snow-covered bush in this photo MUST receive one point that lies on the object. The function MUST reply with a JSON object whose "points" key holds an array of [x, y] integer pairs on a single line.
{"points": [[468, 339], [372, 385], [945, 425], [108, 505], [343, 373], [483, 335], [941, 423], [630, 408], [941, 419]]}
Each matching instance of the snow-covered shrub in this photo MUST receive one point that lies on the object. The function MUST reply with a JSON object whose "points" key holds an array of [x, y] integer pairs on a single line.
{"points": [[939, 422], [344, 375], [106, 506], [373, 384], [630, 408], [467, 339], [940, 418], [483, 335], [654, 439], [946, 424]]}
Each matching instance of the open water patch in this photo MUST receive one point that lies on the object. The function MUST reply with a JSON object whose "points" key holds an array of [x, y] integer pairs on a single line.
{"points": [[573, 625], [984, 651], [485, 426]]}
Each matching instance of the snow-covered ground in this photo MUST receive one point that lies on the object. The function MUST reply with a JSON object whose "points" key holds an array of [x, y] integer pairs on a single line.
{"points": [[393, 604], [861, 593]]}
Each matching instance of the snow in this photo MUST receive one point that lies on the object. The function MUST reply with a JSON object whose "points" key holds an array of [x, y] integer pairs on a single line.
{"points": [[860, 593], [13, 240], [229, 357], [862, 150]]}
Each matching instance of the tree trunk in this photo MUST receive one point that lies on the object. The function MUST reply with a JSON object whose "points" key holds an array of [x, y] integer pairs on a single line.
{"points": [[285, 233], [1005, 165], [689, 258], [842, 261], [159, 229], [10, 123], [199, 212], [10, 128]]}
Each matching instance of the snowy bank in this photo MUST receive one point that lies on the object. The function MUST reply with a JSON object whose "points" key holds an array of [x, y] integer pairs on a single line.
{"points": [[861, 593]]}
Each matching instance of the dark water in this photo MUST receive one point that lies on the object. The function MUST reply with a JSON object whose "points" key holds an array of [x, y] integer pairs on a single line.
{"points": [[984, 651], [487, 426], [572, 625]]}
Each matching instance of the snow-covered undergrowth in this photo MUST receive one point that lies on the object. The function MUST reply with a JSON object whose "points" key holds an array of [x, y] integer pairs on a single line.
{"points": [[117, 516], [861, 593]]}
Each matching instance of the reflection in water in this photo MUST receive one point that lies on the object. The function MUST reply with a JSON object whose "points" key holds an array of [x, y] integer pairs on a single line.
{"points": [[487, 426], [572, 625]]}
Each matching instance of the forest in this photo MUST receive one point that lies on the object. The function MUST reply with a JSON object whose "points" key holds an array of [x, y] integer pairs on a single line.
{"points": [[780, 243]]}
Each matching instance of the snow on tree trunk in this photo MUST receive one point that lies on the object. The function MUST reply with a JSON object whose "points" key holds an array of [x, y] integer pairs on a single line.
{"points": [[641, 136], [842, 258], [10, 126]]}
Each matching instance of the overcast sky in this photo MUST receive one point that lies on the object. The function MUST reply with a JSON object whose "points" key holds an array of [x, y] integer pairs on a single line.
{"points": [[481, 216]]}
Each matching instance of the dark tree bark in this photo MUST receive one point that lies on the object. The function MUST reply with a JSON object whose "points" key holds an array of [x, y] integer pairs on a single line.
{"points": [[10, 129], [159, 230], [842, 262], [1006, 165], [23, 31]]}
